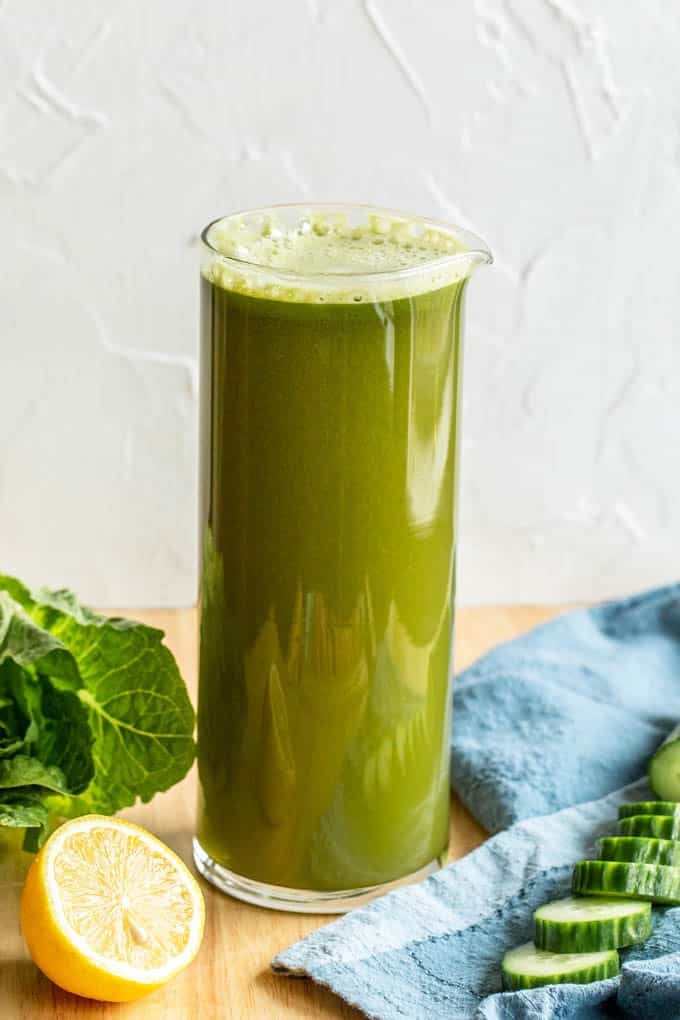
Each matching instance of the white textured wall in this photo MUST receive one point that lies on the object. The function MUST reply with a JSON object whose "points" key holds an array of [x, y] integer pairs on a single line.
{"points": [[551, 127]]}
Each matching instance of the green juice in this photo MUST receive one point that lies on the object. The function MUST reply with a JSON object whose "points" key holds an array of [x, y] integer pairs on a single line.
{"points": [[328, 469]]}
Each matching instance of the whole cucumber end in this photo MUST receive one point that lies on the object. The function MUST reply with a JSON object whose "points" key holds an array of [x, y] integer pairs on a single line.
{"points": [[664, 771]]}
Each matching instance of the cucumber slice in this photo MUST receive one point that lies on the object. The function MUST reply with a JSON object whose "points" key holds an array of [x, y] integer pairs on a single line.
{"points": [[529, 967], [664, 768], [636, 848], [650, 807], [582, 924], [651, 826], [656, 882]]}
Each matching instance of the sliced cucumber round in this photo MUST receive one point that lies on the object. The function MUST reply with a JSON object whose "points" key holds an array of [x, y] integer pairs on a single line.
{"points": [[651, 826], [529, 967], [637, 848], [585, 924], [664, 768], [655, 882], [650, 807]]}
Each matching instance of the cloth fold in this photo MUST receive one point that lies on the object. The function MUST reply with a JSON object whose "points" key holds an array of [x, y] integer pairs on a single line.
{"points": [[568, 712], [544, 728]]}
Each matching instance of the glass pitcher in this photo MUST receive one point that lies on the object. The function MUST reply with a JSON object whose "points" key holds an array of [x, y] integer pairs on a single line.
{"points": [[330, 397]]}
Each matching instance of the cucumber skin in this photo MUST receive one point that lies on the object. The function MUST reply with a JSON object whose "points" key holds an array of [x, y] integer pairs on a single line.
{"points": [[657, 883], [663, 771], [639, 849], [592, 936], [650, 807], [651, 826], [513, 982]]}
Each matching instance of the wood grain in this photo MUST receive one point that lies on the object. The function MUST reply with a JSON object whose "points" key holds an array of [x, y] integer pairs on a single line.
{"points": [[231, 977]]}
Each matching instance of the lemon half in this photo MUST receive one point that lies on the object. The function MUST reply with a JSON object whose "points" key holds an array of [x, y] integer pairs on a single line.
{"points": [[108, 911]]}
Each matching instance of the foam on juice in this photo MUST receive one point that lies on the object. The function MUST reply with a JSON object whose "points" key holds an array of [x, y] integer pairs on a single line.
{"points": [[323, 257]]}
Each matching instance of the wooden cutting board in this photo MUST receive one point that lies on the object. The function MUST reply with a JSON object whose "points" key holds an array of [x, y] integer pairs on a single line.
{"points": [[231, 976]]}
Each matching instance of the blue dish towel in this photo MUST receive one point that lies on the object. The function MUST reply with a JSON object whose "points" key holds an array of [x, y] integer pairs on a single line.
{"points": [[545, 728]]}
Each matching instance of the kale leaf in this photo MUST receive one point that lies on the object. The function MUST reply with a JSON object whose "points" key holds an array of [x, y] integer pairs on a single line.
{"points": [[93, 710]]}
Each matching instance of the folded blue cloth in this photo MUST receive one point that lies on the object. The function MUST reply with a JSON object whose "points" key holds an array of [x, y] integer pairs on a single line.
{"points": [[568, 712], [545, 727]]}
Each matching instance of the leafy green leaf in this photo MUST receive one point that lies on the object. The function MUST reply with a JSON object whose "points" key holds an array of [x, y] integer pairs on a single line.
{"points": [[22, 770], [61, 601], [27, 644], [137, 704], [63, 737], [143, 723], [58, 733], [93, 710], [25, 812], [14, 719]]}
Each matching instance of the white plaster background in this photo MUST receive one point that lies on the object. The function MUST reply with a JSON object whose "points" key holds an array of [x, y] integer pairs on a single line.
{"points": [[551, 127]]}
